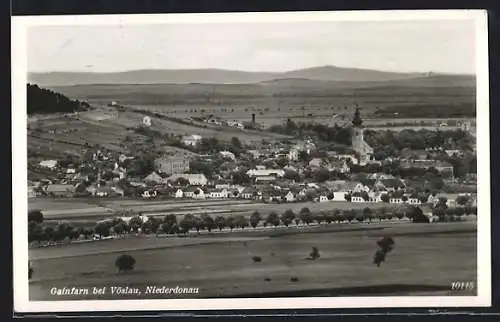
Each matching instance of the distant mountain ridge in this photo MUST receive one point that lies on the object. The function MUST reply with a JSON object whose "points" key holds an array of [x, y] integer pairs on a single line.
{"points": [[216, 76]]}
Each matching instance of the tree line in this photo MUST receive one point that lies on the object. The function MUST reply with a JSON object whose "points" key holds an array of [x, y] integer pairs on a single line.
{"points": [[171, 224], [44, 101]]}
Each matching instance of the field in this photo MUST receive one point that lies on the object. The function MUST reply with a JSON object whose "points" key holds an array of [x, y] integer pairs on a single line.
{"points": [[59, 209], [426, 258]]}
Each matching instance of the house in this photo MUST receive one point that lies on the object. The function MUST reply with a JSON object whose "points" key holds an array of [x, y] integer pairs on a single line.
{"points": [[194, 193], [103, 191], [149, 193], [339, 196], [31, 192], [414, 201], [265, 172], [254, 153], [60, 190], [118, 191], [218, 194], [323, 198], [172, 164], [315, 162], [268, 179], [179, 193], [395, 200], [50, 164], [293, 155], [70, 171], [248, 193], [339, 166], [191, 140], [227, 155], [195, 179], [388, 185], [289, 196], [153, 178], [357, 199]]}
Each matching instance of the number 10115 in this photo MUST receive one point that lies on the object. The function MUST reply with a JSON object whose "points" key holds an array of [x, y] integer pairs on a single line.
{"points": [[462, 286]]}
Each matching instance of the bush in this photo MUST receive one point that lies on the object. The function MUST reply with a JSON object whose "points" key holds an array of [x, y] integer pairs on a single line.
{"points": [[35, 216], [294, 279], [125, 263], [257, 259]]}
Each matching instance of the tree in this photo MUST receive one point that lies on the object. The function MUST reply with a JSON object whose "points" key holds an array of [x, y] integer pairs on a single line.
{"points": [[292, 175], [320, 217], [152, 225], [102, 229], [462, 200], [367, 213], [349, 215], [240, 178], [384, 197], [125, 263], [30, 270], [119, 228], [35, 216], [348, 197], [135, 223], [181, 181], [230, 222], [236, 146], [287, 217], [187, 222], [168, 222], [35, 232], [48, 233], [255, 218], [273, 219], [404, 198], [242, 221], [321, 175], [305, 215], [208, 222], [220, 222]]}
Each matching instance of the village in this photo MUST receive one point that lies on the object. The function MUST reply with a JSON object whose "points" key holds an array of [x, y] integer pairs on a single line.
{"points": [[283, 172]]}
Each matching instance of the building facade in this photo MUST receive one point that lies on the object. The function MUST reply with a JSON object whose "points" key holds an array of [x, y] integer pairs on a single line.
{"points": [[172, 165]]}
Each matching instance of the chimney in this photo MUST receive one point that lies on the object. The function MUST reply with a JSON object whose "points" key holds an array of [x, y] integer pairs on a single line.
{"points": [[253, 119]]}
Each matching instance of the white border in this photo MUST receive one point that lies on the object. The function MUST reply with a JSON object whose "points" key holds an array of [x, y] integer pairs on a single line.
{"points": [[19, 166]]}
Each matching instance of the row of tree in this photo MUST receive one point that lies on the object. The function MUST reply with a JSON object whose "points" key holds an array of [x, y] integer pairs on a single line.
{"points": [[171, 225]]}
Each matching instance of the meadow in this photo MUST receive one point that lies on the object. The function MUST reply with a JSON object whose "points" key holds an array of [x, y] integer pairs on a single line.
{"points": [[426, 258]]}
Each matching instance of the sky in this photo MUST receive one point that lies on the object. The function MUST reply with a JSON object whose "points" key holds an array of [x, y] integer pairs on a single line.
{"points": [[445, 46]]}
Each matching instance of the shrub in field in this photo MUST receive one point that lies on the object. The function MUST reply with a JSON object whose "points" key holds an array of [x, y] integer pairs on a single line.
{"points": [[125, 263], [30, 271], [314, 254], [273, 219], [256, 259], [294, 279], [386, 245], [255, 218], [35, 216]]}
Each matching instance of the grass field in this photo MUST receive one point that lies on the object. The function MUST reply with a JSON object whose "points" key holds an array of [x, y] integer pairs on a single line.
{"points": [[426, 258], [59, 209]]}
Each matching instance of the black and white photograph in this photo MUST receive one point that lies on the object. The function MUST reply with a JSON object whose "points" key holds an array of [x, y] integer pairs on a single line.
{"points": [[251, 161]]}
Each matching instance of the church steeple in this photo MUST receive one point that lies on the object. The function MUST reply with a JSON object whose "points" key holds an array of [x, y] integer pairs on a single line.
{"points": [[356, 120]]}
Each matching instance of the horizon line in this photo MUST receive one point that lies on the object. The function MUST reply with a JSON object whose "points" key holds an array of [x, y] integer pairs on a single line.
{"points": [[250, 71]]}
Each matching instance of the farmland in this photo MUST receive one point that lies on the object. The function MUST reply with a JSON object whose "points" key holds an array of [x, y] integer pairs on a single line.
{"points": [[60, 210], [427, 255]]}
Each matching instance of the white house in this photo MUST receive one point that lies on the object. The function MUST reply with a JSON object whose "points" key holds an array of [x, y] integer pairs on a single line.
{"points": [[293, 155], [195, 179], [70, 171], [357, 199], [218, 194], [395, 200], [266, 172], [195, 193], [315, 162], [51, 164], [414, 201], [149, 194], [191, 140], [339, 196], [179, 193], [227, 155], [290, 197], [323, 198]]}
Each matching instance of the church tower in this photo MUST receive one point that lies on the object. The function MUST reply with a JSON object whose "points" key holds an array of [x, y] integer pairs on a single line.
{"points": [[357, 132]]}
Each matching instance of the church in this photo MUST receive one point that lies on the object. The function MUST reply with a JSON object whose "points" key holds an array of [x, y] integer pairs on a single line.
{"points": [[363, 149]]}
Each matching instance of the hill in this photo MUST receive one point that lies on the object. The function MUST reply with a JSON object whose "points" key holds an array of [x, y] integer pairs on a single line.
{"points": [[43, 101], [215, 76]]}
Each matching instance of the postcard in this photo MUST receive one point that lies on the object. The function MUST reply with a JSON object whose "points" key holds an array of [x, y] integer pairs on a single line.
{"points": [[251, 161]]}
